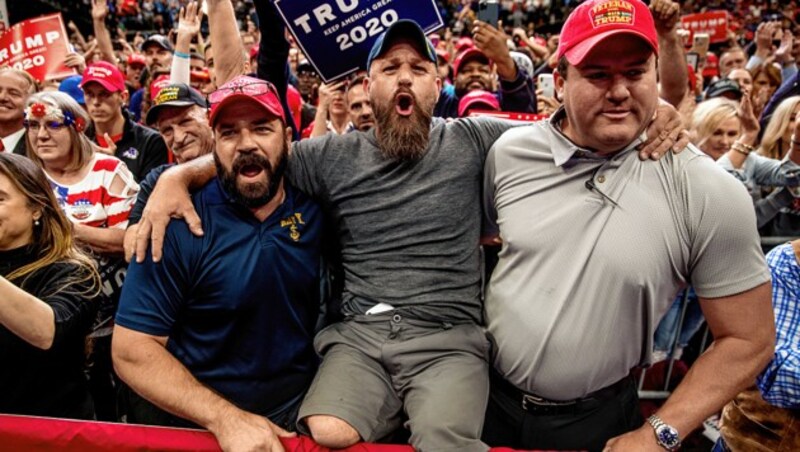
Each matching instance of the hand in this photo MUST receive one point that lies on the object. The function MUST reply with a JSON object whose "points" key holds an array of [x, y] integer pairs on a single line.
{"points": [[493, 43], [75, 61], [784, 52], [747, 118], [666, 15], [90, 51], [640, 440], [664, 133], [110, 150], [521, 33], [546, 105], [764, 34], [138, 39], [170, 199], [189, 20], [328, 91], [129, 243], [243, 431], [99, 10], [71, 25]]}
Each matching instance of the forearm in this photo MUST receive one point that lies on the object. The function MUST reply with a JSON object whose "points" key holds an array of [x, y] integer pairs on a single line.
{"points": [[104, 45], [672, 68], [193, 174], [320, 122], [149, 369], [506, 68], [101, 240], [26, 316], [228, 49], [179, 73]]}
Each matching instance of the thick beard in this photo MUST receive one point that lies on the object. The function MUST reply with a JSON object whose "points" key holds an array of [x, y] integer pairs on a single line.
{"points": [[257, 194], [402, 138]]}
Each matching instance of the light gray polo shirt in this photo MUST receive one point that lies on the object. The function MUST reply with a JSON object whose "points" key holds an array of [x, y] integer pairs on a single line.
{"points": [[584, 275]]}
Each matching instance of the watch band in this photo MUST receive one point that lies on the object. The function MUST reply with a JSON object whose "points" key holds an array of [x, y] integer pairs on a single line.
{"points": [[666, 435]]}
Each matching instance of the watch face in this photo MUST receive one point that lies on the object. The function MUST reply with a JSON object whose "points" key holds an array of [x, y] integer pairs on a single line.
{"points": [[668, 436]]}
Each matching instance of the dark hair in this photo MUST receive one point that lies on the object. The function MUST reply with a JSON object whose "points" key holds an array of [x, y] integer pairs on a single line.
{"points": [[562, 67]]}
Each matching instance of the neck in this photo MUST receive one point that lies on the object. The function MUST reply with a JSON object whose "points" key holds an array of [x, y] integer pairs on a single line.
{"points": [[7, 128], [112, 127], [339, 120], [263, 212]]}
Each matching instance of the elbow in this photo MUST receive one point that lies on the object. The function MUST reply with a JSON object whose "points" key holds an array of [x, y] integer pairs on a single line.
{"points": [[43, 341]]}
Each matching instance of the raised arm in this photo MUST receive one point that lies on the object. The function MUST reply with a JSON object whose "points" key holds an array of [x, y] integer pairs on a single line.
{"points": [[101, 34], [672, 70], [170, 199], [189, 20], [226, 44]]}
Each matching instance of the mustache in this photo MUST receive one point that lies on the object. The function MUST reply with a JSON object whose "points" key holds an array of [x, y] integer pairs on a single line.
{"points": [[250, 160]]}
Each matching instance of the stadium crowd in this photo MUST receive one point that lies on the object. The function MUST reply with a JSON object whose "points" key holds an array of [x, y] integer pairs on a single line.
{"points": [[381, 258]]}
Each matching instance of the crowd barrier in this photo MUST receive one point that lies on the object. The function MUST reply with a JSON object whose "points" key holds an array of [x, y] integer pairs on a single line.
{"points": [[40, 434]]}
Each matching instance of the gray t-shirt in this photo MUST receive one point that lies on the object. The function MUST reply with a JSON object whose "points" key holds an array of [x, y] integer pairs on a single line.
{"points": [[587, 270], [408, 231]]}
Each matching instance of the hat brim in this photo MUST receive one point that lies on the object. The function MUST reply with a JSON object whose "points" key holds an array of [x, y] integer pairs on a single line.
{"points": [[153, 112], [238, 97], [579, 51]]}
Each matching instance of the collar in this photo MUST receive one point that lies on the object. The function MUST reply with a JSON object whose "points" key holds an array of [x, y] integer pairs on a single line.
{"points": [[564, 149], [10, 142]]}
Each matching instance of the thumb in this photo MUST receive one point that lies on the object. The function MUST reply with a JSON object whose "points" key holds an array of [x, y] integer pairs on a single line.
{"points": [[283, 433]]}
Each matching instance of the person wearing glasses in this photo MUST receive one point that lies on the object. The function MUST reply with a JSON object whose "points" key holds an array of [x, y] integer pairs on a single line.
{"points": [[219, 333], [96, 192]]}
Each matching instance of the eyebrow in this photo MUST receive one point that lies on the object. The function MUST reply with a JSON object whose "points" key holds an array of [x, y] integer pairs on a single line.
{"points": [[602, 66]]}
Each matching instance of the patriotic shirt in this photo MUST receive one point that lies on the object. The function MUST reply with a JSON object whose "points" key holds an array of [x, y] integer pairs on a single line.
{"points": [[92, 201]]}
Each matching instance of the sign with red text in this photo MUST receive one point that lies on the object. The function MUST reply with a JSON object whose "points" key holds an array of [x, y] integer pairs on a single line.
{"points": [[510, 115], [715, 23], [37, 46]]}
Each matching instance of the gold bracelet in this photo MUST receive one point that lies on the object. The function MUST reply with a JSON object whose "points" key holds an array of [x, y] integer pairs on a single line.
{"points": [[736, 146], [747, 146]]}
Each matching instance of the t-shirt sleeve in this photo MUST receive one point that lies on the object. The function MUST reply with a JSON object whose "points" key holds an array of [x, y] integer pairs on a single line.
{"points": [[304, 168], [484, 131], [154, 293], [725, 249]]}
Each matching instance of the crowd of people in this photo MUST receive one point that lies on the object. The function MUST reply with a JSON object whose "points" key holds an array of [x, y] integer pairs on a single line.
{"points": [[197, 231]]}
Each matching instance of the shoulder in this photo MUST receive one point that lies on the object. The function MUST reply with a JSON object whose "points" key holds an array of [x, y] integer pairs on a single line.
{"points": [[693, 167], [103, 162], [782, 257]]}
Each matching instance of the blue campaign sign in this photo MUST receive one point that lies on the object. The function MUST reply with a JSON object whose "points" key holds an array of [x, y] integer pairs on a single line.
{"points": [[336, 35]]}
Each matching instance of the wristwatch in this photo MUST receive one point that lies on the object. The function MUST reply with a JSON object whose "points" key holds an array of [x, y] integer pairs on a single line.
{"points": [[666, 435]]}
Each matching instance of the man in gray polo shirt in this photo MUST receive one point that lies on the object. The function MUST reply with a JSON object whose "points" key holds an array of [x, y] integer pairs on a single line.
{"points": [[596, 243]]}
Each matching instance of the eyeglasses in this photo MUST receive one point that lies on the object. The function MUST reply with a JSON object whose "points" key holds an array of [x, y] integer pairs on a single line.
{"points": [[51, 126], [250, 89]]}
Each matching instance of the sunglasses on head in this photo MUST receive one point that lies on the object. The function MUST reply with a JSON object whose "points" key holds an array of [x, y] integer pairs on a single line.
{"points": [[250, 89]]}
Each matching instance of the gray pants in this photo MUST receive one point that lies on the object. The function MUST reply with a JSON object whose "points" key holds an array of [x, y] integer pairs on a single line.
{"points": [[373, 367]]}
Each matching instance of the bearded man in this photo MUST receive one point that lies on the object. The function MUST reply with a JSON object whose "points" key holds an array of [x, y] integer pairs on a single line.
{"points": [[404, 198], [220, 333]]}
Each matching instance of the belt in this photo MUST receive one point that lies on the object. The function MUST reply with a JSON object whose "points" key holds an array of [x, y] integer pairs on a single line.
{"points": [[539, 405]]}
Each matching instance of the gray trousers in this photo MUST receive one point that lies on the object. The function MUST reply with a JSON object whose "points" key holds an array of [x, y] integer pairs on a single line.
{"points": [[376, 366]]}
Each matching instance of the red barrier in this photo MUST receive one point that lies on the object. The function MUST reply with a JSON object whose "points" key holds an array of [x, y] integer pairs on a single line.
{"points": [[27, 433]]}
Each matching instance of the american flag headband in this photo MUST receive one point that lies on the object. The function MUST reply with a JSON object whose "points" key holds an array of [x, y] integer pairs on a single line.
{"points": [[40, 110]]}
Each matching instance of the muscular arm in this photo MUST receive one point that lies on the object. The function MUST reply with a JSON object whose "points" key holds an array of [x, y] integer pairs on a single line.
{"points": [[744, 332], [144, 363]]}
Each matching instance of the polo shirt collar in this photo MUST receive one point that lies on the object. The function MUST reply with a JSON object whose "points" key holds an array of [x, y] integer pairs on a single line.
{"points": [[564, 149]]}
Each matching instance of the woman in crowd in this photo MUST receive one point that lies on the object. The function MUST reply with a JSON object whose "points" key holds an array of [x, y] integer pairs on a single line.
{"points": [[766, 80], [96, 192], [776, 141], [47, 288]]}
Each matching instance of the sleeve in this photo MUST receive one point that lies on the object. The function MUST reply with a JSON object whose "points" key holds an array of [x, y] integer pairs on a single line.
{"points": [[779, 383], [767, 208], [120, 195], [484, 131], [304, 169], [767, 171], [725, 256], [519, 94], [489, 226], [180, 71], [145, 189], [155, 154], [69, 291], [154, 293]]}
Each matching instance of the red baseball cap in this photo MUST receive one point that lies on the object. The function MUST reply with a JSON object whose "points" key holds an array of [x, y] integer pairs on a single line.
{"points": [[468, 55], [136, 59], [246, 88], [161, 82], [106, 74], [478, 97], [711, 68], [595, 20], [463, 44]]}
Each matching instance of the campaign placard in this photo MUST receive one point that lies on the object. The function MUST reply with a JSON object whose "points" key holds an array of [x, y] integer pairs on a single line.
{"points": [[715, 23], [336, 35], [37, 46]]}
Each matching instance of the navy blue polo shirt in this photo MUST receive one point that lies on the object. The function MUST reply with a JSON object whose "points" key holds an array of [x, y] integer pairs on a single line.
{"points": [[239, 304]]}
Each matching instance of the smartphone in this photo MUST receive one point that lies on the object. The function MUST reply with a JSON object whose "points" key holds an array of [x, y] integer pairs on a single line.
{"points": [[692, 59], [489, 11], [545, 82], [700, 43]]}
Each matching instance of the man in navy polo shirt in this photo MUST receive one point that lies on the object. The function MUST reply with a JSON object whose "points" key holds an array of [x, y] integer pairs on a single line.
{"points": [[220, 332]]}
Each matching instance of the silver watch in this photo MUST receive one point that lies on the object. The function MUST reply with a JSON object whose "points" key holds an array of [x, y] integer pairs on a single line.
{"points": [[666, 435]]}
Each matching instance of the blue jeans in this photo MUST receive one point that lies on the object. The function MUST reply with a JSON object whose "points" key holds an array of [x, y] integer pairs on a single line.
{"points": [[668, 327]]}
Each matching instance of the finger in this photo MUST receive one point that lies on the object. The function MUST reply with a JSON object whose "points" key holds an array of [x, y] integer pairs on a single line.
{"points": [[157, 238], [683, 140], [282, 433], [142, 239], [181, 14], [129, 243], [193, 221]]}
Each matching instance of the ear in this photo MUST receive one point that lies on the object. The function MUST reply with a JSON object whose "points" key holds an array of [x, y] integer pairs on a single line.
{"points": [[287, 135], [37, 215], [559, 82], [366, 85], [124, 95]]}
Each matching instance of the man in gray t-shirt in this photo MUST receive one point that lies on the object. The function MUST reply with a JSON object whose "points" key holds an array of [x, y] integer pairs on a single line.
{"points": [[595, 246]]}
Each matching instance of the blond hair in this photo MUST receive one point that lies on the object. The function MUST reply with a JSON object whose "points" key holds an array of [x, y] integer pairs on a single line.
{"points": [[708, 115], [772, 141], [81, 150]]}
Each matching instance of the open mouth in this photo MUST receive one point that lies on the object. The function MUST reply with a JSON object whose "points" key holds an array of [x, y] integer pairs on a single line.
{"points": [[404, 104], [251, 171]]}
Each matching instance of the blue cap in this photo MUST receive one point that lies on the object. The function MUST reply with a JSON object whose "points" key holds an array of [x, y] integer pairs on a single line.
{"points": [[71, 86], [403, 28]]}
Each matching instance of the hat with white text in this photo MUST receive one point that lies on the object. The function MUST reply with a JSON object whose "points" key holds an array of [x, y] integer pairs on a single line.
{"points": [[595, 20]]}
